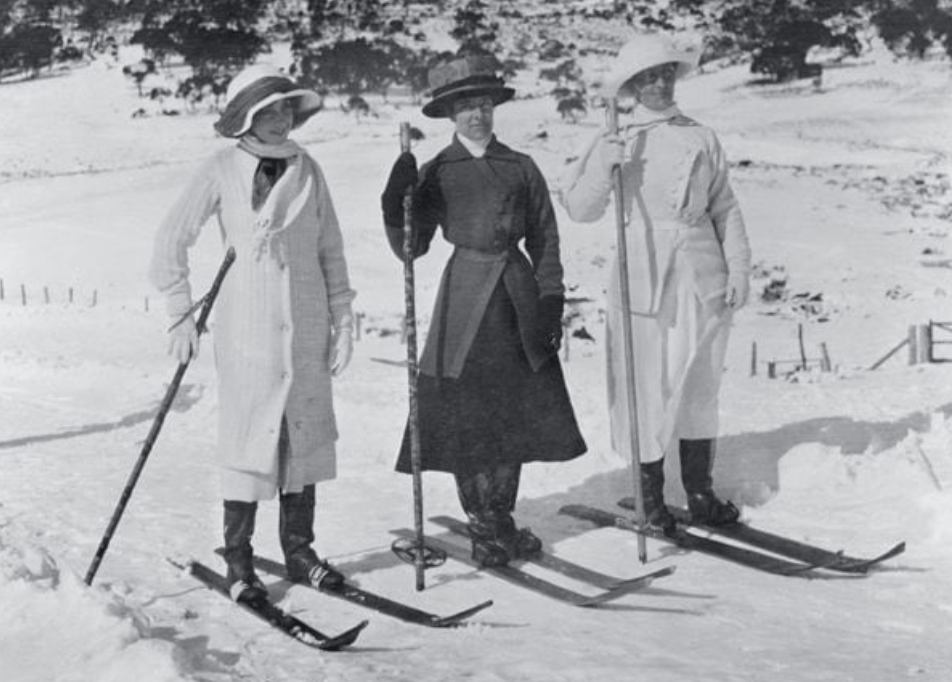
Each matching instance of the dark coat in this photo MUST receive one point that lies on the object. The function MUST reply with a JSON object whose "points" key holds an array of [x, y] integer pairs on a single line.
{"points": [[490, 387], [486, 207]]}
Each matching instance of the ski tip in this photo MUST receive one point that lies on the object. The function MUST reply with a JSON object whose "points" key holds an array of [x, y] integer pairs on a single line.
{"points": [[344, 639], [459, 618]]}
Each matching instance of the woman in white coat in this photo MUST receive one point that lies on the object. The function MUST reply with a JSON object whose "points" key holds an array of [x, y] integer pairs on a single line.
{"points": [[689, 266], [283, 317]]}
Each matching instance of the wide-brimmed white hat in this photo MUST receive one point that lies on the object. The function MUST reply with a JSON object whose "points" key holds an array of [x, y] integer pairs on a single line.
{"points": [[255, 88], [648, 50]]}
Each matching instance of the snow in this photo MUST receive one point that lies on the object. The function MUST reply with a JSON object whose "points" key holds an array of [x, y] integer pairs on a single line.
{"points": [[846, 191]]}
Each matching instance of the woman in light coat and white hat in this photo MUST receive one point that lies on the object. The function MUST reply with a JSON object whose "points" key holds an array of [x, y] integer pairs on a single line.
{"points": [[689, 265], [283, 320]]}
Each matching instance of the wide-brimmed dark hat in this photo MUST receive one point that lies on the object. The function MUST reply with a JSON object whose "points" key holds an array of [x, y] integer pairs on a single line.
{"points": [[471, 76], [255, 88]]}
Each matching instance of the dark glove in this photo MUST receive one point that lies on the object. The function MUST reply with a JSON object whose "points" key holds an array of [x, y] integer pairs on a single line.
{"points": [[550, 320], [403, 176]]}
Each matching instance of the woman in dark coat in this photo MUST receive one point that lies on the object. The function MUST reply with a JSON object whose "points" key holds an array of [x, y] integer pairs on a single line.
{"points": [[490, 387]]}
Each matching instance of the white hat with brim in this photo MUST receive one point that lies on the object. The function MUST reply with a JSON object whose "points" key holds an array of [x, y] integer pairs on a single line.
{"points": [[646, 51], [256, 88]]}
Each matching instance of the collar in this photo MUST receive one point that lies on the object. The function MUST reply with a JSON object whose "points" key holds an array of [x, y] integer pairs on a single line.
{"points": [[457, 151], [477, 149]]}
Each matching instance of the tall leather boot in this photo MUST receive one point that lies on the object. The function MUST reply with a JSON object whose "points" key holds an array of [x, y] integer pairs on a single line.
{"points": [[239, 526], [657, 515], [697, 462], [296, 531], [521, 543], [474, 489]]}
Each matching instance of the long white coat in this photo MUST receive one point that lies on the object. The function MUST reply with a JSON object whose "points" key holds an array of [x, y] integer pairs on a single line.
{"points": [[685, 234], [273, 322]]}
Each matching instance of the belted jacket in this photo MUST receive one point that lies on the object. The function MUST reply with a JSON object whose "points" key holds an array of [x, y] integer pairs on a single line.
{"points": [[497, 213]]}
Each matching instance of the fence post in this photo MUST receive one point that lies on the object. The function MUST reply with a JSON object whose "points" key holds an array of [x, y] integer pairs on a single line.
{"points": [[753, 359], [825, 365], [913, 345], [925, 343], [803, 353]]}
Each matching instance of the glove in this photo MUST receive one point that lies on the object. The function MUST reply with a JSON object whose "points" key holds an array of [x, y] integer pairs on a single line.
{"points": [[183, 340], [738, 290], [343, 347], [610, 152], [550, 320], [403, 176]]}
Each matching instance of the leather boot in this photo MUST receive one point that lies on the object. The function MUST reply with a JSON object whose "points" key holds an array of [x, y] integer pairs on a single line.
{"points": [[239, 526], [697, 462], [474, 491], [296, 531], [657, 515], [521, 543]]}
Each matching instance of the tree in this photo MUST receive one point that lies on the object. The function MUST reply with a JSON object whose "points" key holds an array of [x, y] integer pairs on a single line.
{"points": [[569, 90], [97, 17], [358, 46], [473, 30], [29, 47], [913, 26], [352, 67], [780, 33], [212, 36]]}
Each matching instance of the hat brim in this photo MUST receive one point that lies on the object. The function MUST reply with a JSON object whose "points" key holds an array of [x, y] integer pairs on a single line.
{"points": [[307, 104], [612, 87], [442, 106]]}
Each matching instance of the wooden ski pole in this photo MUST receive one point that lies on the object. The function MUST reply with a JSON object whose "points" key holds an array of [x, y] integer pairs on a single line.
{"points": [[628, 340], [419, 556], [207, 301]]}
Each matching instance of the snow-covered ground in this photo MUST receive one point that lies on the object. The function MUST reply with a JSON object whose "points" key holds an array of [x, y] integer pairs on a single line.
{"points": [[846, 193]]}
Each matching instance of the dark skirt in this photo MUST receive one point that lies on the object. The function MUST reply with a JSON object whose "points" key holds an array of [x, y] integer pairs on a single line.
{"points": [[498, 410]]}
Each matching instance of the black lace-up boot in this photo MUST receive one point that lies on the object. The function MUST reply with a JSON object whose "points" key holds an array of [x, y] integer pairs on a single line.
{"points": [[239, 525], [296, 530], [657, 515], [521, 543], [697, 462], [474, 491]]}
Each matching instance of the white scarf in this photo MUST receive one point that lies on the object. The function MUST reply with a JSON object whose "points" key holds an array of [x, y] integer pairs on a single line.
{"points": [[643, 118], [285, 200]]}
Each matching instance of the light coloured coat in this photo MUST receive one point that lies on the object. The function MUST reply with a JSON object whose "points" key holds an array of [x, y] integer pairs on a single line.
{"points": [[685, 236], [274, 321]]}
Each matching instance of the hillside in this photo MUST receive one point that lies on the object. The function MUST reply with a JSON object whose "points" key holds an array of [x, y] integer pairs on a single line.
{"points": [[846, 194]]}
